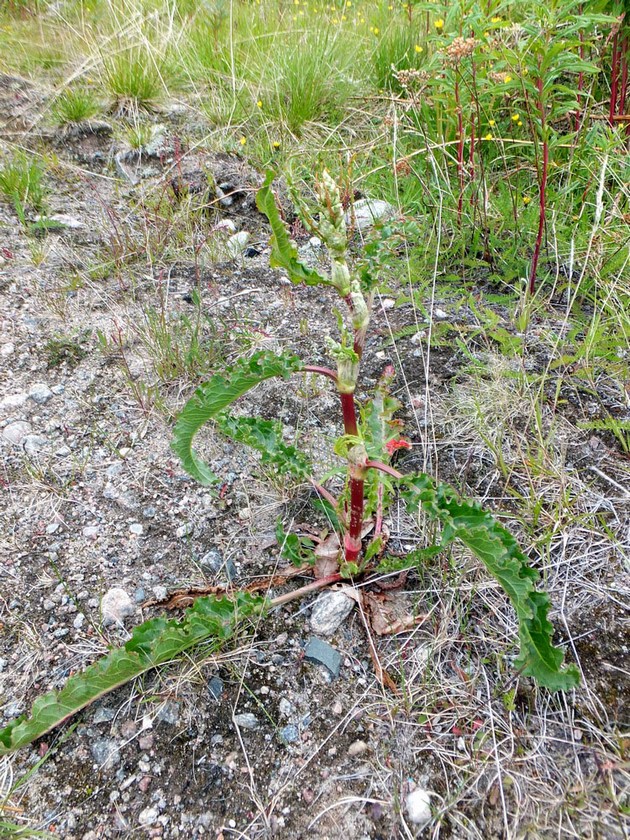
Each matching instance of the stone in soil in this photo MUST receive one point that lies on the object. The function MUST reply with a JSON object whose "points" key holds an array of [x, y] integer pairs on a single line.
{"points": [[329, 611], [215, 687], [418, 807], [289, 734], [16, 432], [40, 393], [321, 653], [116, 605], [246, 720], [368, 211], [105, 753]]}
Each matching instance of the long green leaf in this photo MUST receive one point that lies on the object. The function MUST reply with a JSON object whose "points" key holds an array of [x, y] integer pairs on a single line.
{"points": [[266, 437], [153, 643], [500, 553], [212, 397], [284, 253]]}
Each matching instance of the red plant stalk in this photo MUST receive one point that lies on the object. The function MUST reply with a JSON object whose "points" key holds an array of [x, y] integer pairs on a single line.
{"points": [[542, 195], [625, 46]]}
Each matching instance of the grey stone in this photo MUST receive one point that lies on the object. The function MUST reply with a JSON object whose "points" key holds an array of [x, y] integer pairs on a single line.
{"points": [[62, 219], [215, 687], [40, 393], [236, 244], [418, 807], [136, 528], [285, 707], [169, 713], [116, 605], [34, 444], [149, 512], [329, 611], [106, 753], [12, 401], [289, 734], [246, 720], [368, 212], [139, 595], [213, 561], [103, 715], [16, 432], [148, 816], [321, 653], [185, 530]]}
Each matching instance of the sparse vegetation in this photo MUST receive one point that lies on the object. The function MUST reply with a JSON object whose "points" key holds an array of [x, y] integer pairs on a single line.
{"points": [[496, 134]]}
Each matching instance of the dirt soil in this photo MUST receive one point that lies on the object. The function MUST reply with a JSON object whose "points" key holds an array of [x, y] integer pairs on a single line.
{"points": [[93, 310]]}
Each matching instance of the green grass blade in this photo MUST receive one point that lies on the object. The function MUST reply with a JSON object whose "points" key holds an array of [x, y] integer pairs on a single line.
{"points": [[284, 254], [212, 397], [153, 643], [500, 553]]}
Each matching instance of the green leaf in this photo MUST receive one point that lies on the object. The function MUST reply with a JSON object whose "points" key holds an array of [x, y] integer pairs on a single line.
{"points": [[297, 550], [153, 643], [212, 397], [284, 253], [500, 553], [266, 437]]}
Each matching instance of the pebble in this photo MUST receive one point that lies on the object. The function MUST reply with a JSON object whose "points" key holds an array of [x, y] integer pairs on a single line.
{"points": [[285, 707], [368, 212], [34, 444], [78, 621], [418, 807], [148, 816], [289, 734], [40, 393], [136, 528], [103, 715], [16, 432], [7, 349], [105, 753], [213, 561], [246, 720], [357, 747], [226, 225], [169, 713], [215, 687], [185, 530], [329, 611], [12, 401], [236, 244], [321, 653], [91, 530], [149, 512], [440, 314], [116, 605]]}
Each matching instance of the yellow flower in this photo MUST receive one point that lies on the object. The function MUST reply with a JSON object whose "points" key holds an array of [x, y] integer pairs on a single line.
{"points": [[491, 122], [439, 24], [276, 144], [520, 122], [259, 103], [526, 200], [418, 48], [343, 17], [243, 140], [515, 117], [507, 80], [390, 8], [488, 136], [349, 4], [495, 20], [375, 30]]}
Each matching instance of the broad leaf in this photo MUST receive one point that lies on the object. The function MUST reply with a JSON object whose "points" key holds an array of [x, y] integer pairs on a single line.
{"points": [[284, 253], [212, 397], [266, 437], [153, 643], [500, 553]]}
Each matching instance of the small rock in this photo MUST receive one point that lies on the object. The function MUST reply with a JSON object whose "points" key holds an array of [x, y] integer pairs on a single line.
{"points": [[12, 401], [7, 349], [285, 707], [139, 595], [213, 561], [440, 314], [148, 816], [62, 219], [103, 715], [63, 452], [289, 734], [40, 393], [251, 251], [357, 747], [226, 225], [329, 611], [246, 720], [388, 303], [185, 530], [215, 687], [105, 753], [169, 713], [149, 512], [16, 432], [49, 605], [78, 621], [136, 528], [91, 530], [34, 444], [116, 605], [368, 212], [321, 653], [236, 244], [418, 807]]}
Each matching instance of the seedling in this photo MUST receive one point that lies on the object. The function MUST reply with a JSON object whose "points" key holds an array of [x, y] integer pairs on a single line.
{"points": [[358, 545]]}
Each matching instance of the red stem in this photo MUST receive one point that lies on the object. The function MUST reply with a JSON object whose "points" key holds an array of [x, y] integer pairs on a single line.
{"points": [[324, 371], [378, 465], [542, 199], [624, 76], [349, 414]]}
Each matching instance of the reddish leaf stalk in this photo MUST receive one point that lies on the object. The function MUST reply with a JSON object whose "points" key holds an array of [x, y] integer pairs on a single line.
{"points": [[324, 371], [352, 539], [349, 414], [542, 195]]}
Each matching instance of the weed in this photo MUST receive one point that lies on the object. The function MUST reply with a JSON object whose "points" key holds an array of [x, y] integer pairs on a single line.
{"points": [[74, 106], [134, 78], [22, 183], [65, 350]]}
